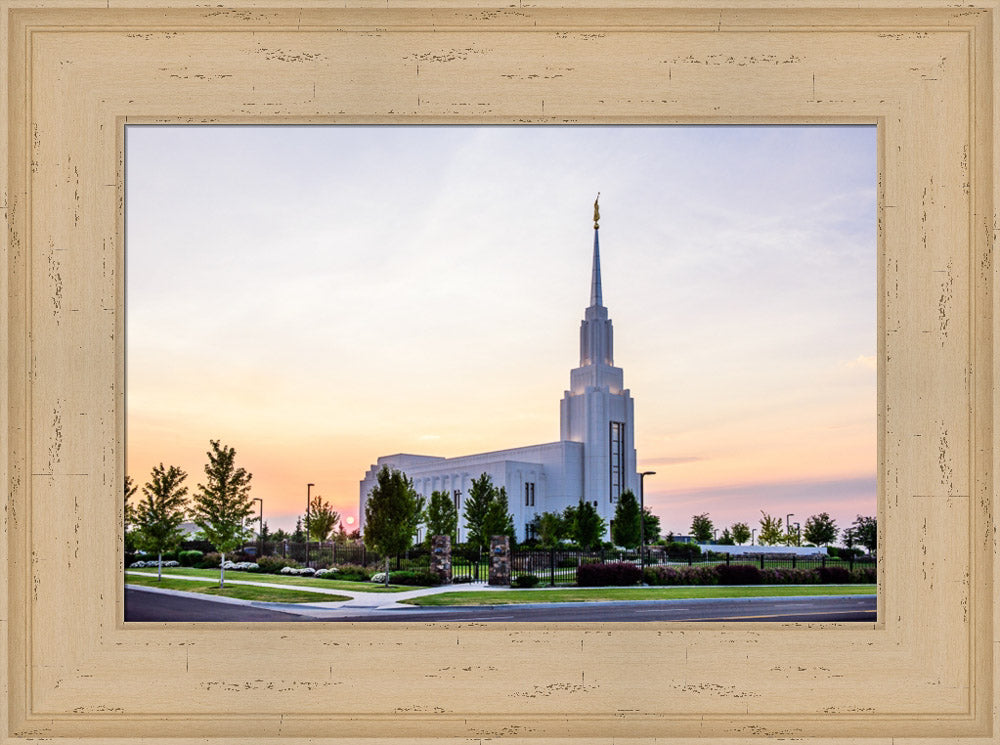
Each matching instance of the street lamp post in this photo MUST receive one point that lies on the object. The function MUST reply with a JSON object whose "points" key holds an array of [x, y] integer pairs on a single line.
{"points": [[753, 536], [788, 524], [260, 528], [642, 521], [308, 500]]}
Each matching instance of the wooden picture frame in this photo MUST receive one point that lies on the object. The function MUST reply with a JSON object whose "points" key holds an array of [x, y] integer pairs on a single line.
{"points": [[76, 72]]}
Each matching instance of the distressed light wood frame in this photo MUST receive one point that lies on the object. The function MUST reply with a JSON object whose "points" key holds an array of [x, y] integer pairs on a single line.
{"points": [[76, 72]]}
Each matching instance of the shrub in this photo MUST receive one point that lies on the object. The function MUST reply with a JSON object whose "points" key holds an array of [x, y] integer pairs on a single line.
{"points": [[525, 580], [615, 573], [864, 575], [738, 574], [679, 551], [837, 575], [189, 558], [413, 577], [788, 576], [210, 561], [353, 573], [662, 575], [273, 564]]}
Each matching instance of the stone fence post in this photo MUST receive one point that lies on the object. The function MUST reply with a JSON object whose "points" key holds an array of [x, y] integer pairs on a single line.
{"points": [[499, 560], [441, 558]]}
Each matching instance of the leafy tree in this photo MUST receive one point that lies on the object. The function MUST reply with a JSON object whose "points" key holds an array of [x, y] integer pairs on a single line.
{"points": [[441, 516], [280, 536], [223, 503], [820, 530], [792, 537], [771, 533], [866, 532], [741, 533], [340, 535], [850, 537], [625, 528], [487, 513], [550, 527], [160, 513], [392, 514], [726, 539], [323, 519], [702, 528], [499, 521], [584, 525], [130, 489], [354, 535], [650, 525]]}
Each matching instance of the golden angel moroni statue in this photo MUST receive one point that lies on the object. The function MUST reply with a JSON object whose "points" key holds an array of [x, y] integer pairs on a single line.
{"points": [[597, 213]]}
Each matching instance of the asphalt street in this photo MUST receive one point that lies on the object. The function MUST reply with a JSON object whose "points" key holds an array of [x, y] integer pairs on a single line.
{"points": [[142, 605]]}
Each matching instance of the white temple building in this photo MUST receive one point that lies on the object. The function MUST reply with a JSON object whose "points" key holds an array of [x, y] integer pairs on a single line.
{"points": [[595, 457]]}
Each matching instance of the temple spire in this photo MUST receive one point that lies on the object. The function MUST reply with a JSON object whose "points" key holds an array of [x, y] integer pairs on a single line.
{"points": [[595, 278]]}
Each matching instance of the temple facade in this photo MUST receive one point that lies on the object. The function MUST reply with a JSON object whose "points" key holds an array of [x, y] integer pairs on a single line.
{"points": [[594, 459]]}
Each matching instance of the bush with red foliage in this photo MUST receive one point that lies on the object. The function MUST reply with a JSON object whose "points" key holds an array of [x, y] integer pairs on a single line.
{"points": [[616, 573]]}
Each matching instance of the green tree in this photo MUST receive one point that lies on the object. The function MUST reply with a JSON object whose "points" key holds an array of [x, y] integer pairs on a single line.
{"points": [[441, 516], [701, 528], [223, 504], [550, 527], [322, 520], [159, 514], [741, 533], [392, 514], [584, 525], [625, 528], [866, 532], [130, 489], [298, 535], [771, 532], [650, 526], [726, 539], [487, 513], [280, 535], [820, 530]]}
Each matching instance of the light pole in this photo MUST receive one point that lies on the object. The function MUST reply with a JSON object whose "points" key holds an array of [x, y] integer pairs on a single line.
{"points": [[308, 500], [642, 520], [788, 524], [753, 536], [260, 530]]}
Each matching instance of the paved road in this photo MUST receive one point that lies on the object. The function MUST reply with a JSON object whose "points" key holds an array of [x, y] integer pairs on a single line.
{"points": [[142, 605]]}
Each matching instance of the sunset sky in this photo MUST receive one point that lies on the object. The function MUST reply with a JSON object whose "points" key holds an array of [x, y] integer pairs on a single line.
{"points": [[318, 296]]}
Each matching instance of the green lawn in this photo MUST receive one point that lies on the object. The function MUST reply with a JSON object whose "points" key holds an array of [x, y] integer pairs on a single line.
{"points": [[279, 579], [508, 597], [243, 592]]}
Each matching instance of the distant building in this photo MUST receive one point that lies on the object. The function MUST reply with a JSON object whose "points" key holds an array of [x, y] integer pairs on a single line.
{"points": [[595, 457]]}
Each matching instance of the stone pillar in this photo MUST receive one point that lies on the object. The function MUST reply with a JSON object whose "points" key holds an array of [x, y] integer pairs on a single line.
{"points": [[499, 560], [441, 558]]}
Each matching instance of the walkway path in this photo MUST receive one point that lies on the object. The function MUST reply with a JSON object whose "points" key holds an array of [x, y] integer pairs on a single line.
{"points": [[358, 599]]}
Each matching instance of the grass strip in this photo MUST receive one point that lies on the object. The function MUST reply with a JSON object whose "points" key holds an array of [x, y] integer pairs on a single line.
{"points": [[279, 579], [576, 595], [242, 592]]}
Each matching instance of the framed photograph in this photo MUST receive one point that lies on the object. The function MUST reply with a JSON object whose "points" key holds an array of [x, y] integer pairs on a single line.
{"points": [[75, 77]]}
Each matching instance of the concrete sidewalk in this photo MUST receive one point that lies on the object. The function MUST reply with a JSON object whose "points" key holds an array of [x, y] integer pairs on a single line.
{"points": [[358, 599]]}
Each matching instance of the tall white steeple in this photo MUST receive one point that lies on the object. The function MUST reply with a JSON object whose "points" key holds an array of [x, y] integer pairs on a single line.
{"points": [[597, 410]]}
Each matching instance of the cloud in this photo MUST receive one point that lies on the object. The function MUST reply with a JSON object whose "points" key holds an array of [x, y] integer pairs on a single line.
{"points": [[861, 362], [667, 460]]}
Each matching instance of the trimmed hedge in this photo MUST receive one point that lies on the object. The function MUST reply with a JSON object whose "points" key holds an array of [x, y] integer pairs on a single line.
{"points": [[408, 577], [739, 574], [613, 574], [190, 558], [524, 580]]}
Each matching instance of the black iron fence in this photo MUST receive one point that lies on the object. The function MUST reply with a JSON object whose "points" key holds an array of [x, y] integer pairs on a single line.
{"points": [[558, 567]]}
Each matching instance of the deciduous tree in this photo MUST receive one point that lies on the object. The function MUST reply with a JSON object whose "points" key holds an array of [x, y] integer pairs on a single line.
{"points": [[392, 514], [771, 532], [550, 528], [866, 532], [625, 528], [223, 502], [820, 530], [650, 526], [701, 528], [441, 516], [741, 533], [322, 520], [584, 525], [487, 513], [159, 514]]}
